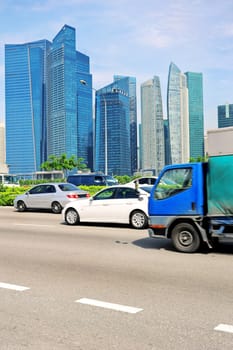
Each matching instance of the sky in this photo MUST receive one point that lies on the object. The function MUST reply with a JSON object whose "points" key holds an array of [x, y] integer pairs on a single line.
{"points": [[134, 38]]}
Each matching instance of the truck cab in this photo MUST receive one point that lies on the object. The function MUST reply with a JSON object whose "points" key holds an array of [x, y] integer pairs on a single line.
{"points": [[177, 205]]}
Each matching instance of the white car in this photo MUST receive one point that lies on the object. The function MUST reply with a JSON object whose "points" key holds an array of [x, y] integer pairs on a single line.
{"points": [[142, 181], [115, 204]]}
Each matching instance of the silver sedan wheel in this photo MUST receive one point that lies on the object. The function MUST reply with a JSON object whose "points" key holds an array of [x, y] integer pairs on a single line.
{"points": [[71, 217], [21, 206], [56, 208]]}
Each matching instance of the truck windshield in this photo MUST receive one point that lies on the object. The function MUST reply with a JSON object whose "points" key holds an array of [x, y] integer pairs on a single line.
{"points": [[172, 182]]}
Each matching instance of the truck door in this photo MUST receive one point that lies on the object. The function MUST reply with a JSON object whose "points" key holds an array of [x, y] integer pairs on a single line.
{"points": [[179, 191]]}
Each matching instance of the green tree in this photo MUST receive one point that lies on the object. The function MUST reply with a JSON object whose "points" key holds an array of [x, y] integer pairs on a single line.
{"points": [[63, 163], [198, 159]]}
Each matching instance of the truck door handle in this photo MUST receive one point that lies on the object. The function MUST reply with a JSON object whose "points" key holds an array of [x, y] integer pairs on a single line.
{"points": [[193, 205]]}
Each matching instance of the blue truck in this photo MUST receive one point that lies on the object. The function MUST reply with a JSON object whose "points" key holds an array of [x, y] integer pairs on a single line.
{"points": [[192, 204]]}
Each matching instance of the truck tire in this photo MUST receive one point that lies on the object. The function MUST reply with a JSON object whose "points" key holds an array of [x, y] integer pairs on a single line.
{"points": [[185, 238]]}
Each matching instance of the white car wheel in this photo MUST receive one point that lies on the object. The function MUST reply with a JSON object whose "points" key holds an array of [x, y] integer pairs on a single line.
{"points": [[138, 220], [71, 217]]}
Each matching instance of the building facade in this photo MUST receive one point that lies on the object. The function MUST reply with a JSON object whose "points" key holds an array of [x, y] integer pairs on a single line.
{"points": [[178, 115], [112, 131], [25, 96], [196, 114], [3, 167], [128, 84], [48, 112], [225, 115], [167, 151], [153, 147]]}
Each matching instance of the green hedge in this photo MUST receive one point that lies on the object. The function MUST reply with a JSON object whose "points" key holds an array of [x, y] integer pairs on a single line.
{"points": [[8, 194]]}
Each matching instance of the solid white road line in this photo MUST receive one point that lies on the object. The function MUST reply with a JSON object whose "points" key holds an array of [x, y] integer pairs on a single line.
{"points": [[224, 328], [34, 225], [13, 287], [117, 307]]}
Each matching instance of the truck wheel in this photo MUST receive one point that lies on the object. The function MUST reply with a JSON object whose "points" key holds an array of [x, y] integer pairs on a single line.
{"points": [[185, 238]]}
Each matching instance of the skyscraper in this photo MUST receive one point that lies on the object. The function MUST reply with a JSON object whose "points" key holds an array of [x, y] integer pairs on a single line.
{"points": [[196, 114], [153, 151], [25, 82], [178, 115], [112, 134], [3, 167], [128, 84], [48, 112], [69, 102], [167, 151], [225, 115]]}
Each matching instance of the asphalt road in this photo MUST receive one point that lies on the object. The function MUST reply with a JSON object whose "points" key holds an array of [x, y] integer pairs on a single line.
{"points": [[108, 287]]}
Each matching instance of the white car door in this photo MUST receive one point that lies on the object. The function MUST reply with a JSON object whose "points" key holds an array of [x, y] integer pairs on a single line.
{"points": [[98, 208], [112, 205]]}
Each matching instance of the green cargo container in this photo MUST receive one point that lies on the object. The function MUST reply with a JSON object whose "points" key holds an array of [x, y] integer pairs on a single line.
{"points": [[220, 186]]}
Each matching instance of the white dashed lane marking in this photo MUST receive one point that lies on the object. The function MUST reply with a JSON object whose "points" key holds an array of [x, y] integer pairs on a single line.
{"points": [[13, 287], [117, 307], [224, 328]]}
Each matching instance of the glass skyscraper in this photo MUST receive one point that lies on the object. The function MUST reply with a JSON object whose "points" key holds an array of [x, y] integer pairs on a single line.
{"points": [[178, 115], [48, 111], [128, 84], [153, 149], [166, 142], [196, 114], [25, 94], [225, 115], [84, 110], [112, 133]]}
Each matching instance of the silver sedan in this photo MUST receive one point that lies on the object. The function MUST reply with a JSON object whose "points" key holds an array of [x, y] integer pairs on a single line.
{"points": [[53, 196]]}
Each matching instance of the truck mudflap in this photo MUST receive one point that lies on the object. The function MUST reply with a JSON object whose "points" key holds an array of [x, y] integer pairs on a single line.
{"points": [[204, 235]]}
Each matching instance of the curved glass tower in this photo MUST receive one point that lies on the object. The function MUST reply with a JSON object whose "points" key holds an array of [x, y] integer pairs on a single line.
{"points": [[178, 115], [152, 126]]}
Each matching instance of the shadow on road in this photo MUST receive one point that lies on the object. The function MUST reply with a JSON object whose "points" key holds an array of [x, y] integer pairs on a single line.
{"points": [[98, 224], [151, 243], [223, 247]]}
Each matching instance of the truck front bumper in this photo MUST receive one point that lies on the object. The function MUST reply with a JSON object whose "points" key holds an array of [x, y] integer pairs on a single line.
{"points": [[156, 234]]}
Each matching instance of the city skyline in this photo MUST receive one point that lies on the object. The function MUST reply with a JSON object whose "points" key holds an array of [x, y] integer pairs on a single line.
{"points": [[139, 41], [48, 112]]}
